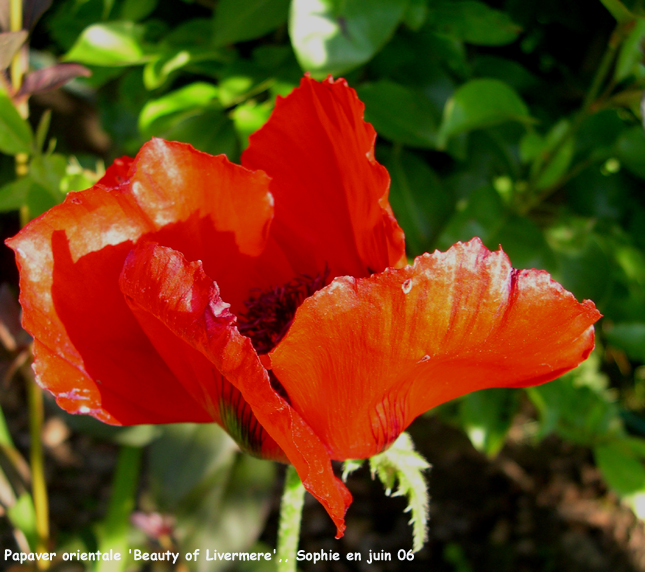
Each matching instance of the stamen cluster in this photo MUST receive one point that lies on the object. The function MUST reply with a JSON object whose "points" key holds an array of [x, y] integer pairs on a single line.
{"points": [[269, 313]]}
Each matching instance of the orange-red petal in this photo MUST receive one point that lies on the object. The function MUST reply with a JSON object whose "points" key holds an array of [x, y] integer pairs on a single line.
{"points": [[331, 195], [160, 282], [117, 173], [364, 357], [146, 275], [90, 351]]}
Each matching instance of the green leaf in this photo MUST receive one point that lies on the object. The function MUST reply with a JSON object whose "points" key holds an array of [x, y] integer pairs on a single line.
{"points": [[631, 52], [219, 136], [584, 264], [482, 215], [240, 20], [486, 417], [597, 135], [420, 201], [578, 406], [48, 171], [41, 131], [229, 515], [159, 70], [133, 436], [621, 467], [26, 191], [219, 498], [335, 37], [14, 497], [625, 10], [15, 133], [22, 515], [136, 10], [242, 80], [524, 242], [630, 150], [196, 32], [596, 193], [552, 156], [111, 44], [557, 166], [480, 103], [403, 467], [473, 22], [629, 337], [400, 114], [182, 115], [113, 532], [13, 195], [188, 458], [249, 117], [40, 200], [509, 71], [198, 95], [632, 263], [416, 14]]}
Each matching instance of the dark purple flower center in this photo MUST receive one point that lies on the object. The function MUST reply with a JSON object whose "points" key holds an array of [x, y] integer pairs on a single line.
{"points": [[269, 313]]}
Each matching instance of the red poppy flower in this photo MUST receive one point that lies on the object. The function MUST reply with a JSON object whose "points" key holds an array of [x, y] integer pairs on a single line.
{"points": [[182, 287]]}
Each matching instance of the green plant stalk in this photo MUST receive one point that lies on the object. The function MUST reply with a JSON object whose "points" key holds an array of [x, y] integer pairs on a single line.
{"points": [[114, 529], [22, 159], [616, 39], [5, 436], [15, 16], [293, 499], [603, 70], [36, 458], [22, 515], [34, 394]]}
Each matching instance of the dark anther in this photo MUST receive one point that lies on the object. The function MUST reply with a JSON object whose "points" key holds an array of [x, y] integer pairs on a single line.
{"points": [[269, 313]]}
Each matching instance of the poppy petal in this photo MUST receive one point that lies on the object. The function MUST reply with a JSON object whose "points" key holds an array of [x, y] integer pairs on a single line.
{"points": [[117, 173], [364, 357], [161, 282], [198, 375], [331, 195], [70, 260]]}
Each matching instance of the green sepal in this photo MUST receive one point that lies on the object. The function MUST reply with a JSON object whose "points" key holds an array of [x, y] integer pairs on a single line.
{"points": [[402, 467]]}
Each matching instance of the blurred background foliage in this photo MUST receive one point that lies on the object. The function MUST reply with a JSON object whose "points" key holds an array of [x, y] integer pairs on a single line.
{"points": [[516, 121]]}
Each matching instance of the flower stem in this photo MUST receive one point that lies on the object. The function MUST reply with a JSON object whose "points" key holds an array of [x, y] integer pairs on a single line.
{"points": [[15, 16], [293, 499], [17, 72], [36, 458], [114, 530]]}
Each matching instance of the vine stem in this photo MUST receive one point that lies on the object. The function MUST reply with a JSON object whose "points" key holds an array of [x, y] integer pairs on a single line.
{"points": [[293, 499]]}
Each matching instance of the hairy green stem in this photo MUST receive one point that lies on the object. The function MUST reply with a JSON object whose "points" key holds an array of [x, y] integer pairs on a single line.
{"points": [[293, 499]]}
